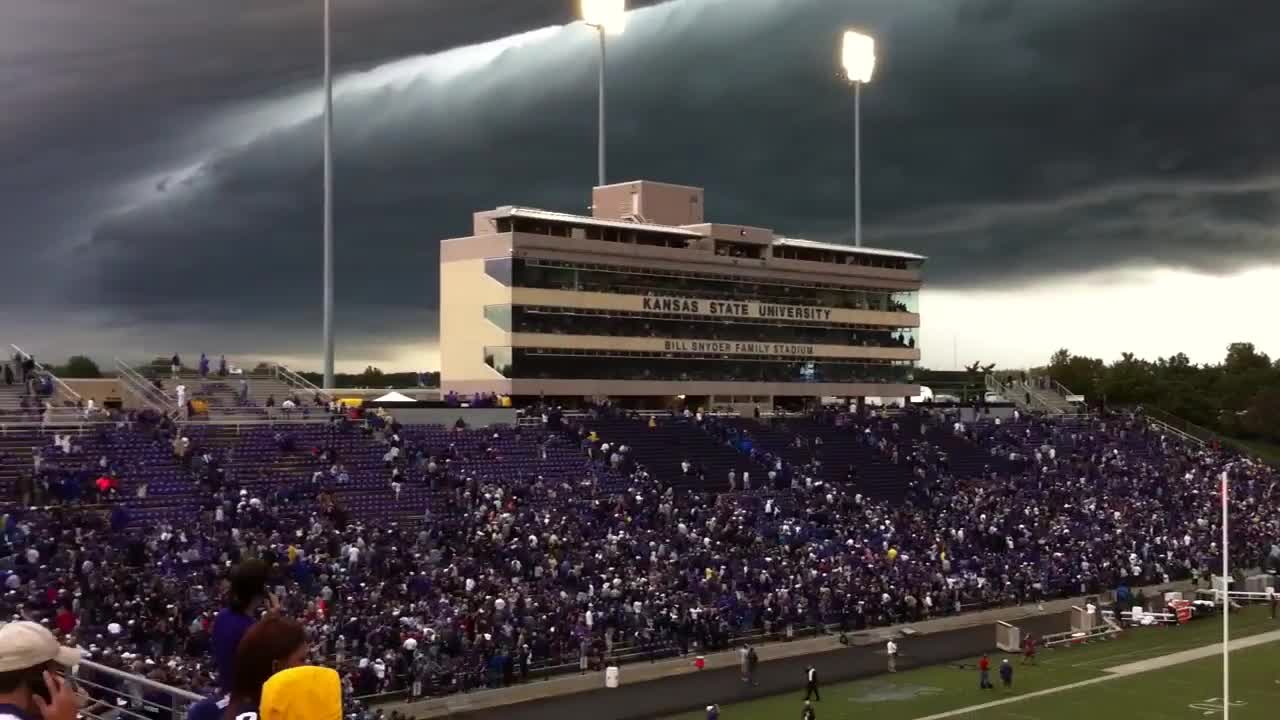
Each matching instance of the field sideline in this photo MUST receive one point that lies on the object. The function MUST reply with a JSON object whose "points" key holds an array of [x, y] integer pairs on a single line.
{"points": [[1138, 675]]}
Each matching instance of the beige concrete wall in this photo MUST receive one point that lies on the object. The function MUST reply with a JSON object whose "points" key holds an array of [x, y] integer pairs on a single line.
{"points": [[491, 245], [655, 388], [465, 290], [101, 390], [661, 203], [735, 233], [704, 308], [719, 347]]}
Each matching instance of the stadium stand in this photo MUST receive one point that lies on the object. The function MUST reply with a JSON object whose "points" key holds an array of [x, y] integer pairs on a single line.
{"points": [[427, 560]]}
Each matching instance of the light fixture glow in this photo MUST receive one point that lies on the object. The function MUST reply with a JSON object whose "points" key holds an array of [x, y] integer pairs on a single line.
{"points": [[609, 15], [858, 56]]}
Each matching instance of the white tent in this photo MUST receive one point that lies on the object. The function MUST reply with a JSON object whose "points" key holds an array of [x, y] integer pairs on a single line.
{"points": [[395, 397]]}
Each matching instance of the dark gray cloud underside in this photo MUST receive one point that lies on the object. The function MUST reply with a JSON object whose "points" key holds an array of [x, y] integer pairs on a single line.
{"points": [[1008, 141]]}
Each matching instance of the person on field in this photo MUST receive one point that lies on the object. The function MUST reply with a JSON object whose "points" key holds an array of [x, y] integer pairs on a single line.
{"points": [[808, 713], [891, 649], [984, 674], [811, 685], [1006, 673], [1029, 650]]}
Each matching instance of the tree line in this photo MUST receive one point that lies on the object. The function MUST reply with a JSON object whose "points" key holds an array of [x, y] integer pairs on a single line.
{"points": [[84, 367], [1239, 396]]}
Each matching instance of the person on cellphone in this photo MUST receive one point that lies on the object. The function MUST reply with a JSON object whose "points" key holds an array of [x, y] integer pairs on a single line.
{"points": [[272, 644], [248, 593], [30, 687]]}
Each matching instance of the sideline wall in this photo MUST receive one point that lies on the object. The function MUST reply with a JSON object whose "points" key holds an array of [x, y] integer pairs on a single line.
{"points": [[682, 693]]}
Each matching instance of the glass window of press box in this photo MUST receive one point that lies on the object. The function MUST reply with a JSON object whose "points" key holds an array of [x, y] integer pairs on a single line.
{"points": [[553, 275], [521, 363], [567, 321]]}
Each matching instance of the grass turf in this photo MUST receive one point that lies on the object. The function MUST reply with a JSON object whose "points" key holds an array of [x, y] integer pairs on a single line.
{"points": [[1178, 691]]}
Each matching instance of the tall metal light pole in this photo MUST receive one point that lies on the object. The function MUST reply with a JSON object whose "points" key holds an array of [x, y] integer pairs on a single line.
{"points": [[1226, 596], [858, 56], [608, 17], [328, 199]]}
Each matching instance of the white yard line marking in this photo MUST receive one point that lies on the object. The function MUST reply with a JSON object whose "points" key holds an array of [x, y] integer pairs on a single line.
{"points": [[1120, 671], [1111, 658]]}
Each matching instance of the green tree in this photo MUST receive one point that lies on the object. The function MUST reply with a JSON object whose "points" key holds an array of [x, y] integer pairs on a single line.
{"points": [[79, 366], [1238, 397], [1244, 357], [371, 377]]}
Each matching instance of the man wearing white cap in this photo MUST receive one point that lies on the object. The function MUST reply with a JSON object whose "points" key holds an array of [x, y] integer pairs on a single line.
{"points": [[29, 687]]}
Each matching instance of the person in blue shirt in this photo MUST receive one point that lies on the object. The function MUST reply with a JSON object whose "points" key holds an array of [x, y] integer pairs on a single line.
{"points": [[248, 591], [1006, 673], [272, 644]]}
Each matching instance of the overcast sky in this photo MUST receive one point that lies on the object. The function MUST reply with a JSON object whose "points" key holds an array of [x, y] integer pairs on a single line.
{"points": [[1102, 176]]}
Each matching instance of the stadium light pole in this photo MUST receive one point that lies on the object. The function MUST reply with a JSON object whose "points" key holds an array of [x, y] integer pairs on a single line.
{"points": [[328, 197], [1226, 598], [608, 17], [858, 55]]}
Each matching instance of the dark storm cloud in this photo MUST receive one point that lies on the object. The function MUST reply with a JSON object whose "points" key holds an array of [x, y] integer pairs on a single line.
{"points": [[1005, 140]]}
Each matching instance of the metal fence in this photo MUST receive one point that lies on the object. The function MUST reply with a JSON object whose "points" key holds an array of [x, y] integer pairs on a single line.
{"points": [[111, 694]]}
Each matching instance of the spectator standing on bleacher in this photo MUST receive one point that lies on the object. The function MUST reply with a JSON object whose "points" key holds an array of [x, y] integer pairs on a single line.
{"points": [[204, 366], [175, 366], [8, 374], [222, 366], [248, 591], [276, 643], [28, 368]]}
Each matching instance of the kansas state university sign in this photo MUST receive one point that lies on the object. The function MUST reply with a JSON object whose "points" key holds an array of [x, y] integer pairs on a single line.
{"points": [[727, 308]]}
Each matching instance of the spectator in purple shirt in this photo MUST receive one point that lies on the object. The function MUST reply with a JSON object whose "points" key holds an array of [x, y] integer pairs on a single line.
{"points": [[274, 644], [248, 590]]}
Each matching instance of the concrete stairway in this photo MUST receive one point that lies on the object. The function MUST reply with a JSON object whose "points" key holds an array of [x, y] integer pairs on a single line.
{"points": [[222, 392], [11, 397], [1034, 394]]}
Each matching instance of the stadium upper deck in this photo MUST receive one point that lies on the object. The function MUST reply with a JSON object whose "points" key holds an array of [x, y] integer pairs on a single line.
{"points": [[645, 300]]}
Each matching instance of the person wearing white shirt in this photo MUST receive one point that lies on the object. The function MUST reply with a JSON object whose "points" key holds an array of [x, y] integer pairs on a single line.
{"points": [[891, 649]]}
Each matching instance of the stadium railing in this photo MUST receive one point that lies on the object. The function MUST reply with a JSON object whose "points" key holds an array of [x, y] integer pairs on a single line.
{"points": [[67, 393], [155, 398], [289, 377], [111, 694], [1198, 433]]}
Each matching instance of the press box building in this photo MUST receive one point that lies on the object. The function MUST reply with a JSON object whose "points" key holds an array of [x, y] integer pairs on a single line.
{"points": [[645, 302]]}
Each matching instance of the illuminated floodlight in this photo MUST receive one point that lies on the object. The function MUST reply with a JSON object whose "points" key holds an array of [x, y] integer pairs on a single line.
{"points": [[608, 15], [858, 56]]}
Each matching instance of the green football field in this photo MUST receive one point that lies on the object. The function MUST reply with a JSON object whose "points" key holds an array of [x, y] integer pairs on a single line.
{"points": [[1187, 689]]}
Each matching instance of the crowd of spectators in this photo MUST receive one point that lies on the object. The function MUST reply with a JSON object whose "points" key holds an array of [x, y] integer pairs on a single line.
{"points": [[508, 575]]}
